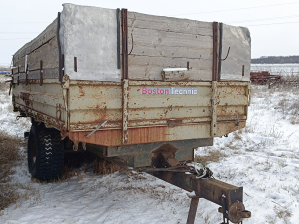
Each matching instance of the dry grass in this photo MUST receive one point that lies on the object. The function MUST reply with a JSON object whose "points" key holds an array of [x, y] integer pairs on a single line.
{"points": [[282, 213], [286, 91], [9, 158], [101, 166], [76, 164], [214, 156], [4, 86]]}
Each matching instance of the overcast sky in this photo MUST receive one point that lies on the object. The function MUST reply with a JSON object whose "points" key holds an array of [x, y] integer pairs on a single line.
{"points": [[273, 24]]}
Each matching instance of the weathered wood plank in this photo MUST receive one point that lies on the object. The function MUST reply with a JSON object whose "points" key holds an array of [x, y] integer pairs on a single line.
{"points": [[48, 53], [48, 73], [175, 76], [173, 62], [139, 72], [155, 38], [41, 39], [139, 20], [161, 43], [150, 68], [158, 51]]}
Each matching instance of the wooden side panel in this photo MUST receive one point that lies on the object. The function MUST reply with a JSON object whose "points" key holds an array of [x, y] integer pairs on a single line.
{"points": [[43, 47], [158, 42], [48, 53]]}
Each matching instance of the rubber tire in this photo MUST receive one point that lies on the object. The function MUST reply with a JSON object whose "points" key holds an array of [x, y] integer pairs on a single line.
{"points": [[46, 146]]}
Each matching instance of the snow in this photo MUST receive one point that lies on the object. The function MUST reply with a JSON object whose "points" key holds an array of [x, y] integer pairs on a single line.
{"points": [[263, 158], [174, 69]]}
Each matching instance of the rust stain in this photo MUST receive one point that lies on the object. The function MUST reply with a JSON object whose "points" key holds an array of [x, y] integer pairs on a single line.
{"points": [[25, 98], [81, 91], [113, 137], [103, 137]]}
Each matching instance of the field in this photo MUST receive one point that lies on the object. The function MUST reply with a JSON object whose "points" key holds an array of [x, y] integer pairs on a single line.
{"points": [[263, 158], [277, 69]]}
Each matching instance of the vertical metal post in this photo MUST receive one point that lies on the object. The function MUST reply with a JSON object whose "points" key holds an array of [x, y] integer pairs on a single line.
{"points": [[41, 76], [215, 52], [214, 109], [27, 73], [192, 210], [124, 24], [118, 37], [18, 82], [125, 111], [61, 66], [220, 49]]}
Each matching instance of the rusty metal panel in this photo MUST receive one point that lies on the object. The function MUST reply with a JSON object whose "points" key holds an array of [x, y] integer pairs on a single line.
{"points": [[95, 96], [44, 103], [155, 117], [149, 147], [84, 105]]}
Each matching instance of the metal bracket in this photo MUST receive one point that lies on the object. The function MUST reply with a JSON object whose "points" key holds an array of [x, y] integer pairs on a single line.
{"points": [[132, 44], [84, 145], [226, 55], [238, 123], [214, 109], [125, 114], [76, 145], [66, 82], [58, 112], [97, 128], [41, 74], [27, 73]]}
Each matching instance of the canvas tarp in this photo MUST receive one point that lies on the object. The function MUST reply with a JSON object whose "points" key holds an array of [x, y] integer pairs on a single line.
{"points": [[90, 35]]}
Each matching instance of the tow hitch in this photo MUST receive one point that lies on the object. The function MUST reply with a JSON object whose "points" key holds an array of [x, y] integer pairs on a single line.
{"points": [[201, 184]]}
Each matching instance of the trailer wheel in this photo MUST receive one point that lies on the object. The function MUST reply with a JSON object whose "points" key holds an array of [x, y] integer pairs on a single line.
{"points": [[45, 153]]}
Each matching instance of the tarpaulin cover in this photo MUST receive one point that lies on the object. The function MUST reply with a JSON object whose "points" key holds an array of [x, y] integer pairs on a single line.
{"points": [[239, 42], [90, 35]]}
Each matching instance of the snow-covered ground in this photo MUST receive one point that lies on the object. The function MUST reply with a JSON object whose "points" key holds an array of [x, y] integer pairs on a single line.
{"points": [[263, 158]]}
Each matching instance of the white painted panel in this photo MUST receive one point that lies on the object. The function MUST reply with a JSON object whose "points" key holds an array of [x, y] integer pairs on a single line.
{"points": [[90, 34], [238, 39]]}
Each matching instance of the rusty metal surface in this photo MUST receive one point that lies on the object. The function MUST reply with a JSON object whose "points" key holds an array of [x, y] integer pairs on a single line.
{"points": [[125, 114], [237, 212], [215, 52], [83, 105], [154, 118], [192, 210], [214, 102], [264, 77], [228, 196], [124, 24], [43, 103]]}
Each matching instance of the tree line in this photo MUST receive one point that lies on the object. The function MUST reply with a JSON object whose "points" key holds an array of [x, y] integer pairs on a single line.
{"points": [[275, 60]]}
